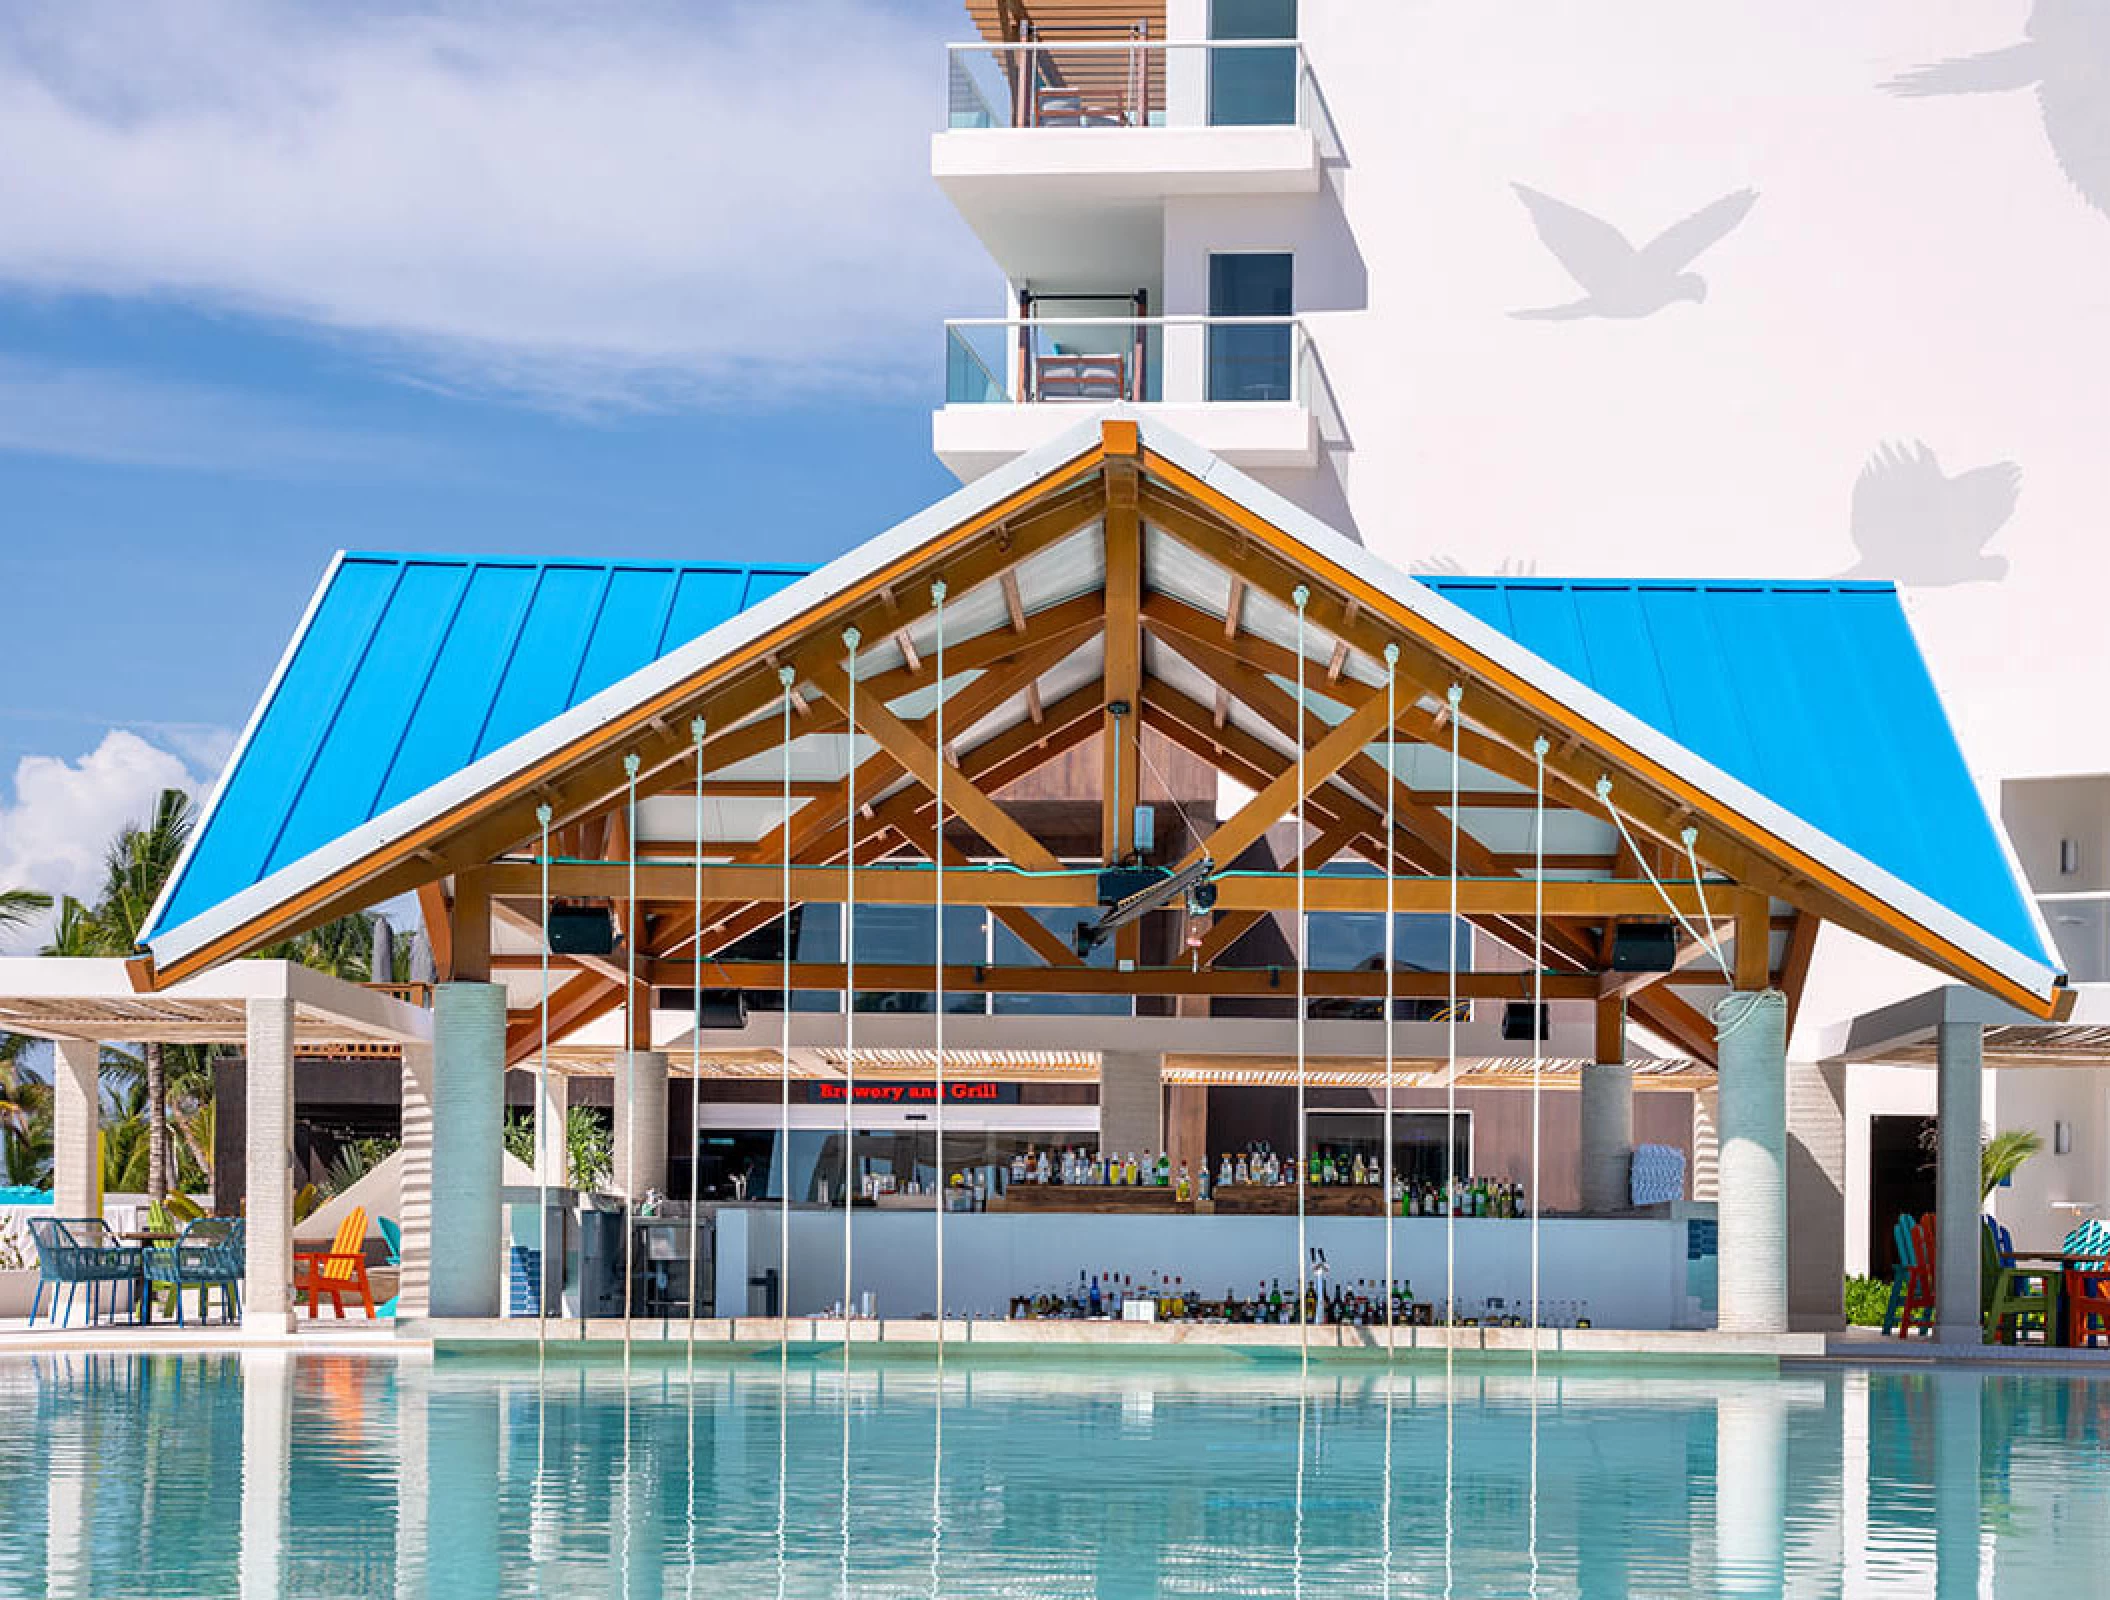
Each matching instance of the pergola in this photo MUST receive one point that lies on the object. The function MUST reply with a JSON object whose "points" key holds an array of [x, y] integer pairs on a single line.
{"points": [[1118, 602]]}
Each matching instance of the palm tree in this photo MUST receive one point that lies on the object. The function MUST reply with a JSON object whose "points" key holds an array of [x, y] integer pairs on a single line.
{"points": [[17, 906], [2000, 1156]]}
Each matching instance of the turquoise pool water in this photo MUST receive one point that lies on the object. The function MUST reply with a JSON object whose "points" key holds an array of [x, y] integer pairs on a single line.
{"points": [[469, 1477]]}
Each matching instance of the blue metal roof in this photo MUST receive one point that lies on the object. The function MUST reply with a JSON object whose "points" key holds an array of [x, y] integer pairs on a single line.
{"points": [[408, 668], [1813, 694]]}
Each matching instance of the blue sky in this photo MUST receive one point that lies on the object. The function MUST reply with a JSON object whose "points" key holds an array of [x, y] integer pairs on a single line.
{"points": [[279, 280]]}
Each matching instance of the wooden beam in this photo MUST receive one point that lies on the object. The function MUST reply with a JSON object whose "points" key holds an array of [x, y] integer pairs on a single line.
{"points": [[1229, 927], [438, 918], [1795, 963], [922, 834], [470, 926], [1610, 1042], [1240, 982], [1123, 676], [1341, 744], [672, 885], [921, 761]]}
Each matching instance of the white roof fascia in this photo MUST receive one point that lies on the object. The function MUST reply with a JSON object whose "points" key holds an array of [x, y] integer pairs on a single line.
{"points": [[1478, 636], [171, 944]]}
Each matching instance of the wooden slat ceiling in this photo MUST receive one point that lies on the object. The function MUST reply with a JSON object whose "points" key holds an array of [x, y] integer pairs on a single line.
{"points": [[998, 20]]}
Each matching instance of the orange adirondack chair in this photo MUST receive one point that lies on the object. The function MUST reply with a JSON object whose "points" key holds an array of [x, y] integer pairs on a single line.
{"points": [[337, 1271], [1919, 1280]]}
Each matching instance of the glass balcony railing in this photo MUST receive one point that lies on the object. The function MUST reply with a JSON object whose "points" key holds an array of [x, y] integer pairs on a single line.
{"points": [[1034, 361], [1127, 83]]}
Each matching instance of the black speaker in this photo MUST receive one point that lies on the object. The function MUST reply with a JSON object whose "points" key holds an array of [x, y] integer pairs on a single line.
{"points": [[581, 931], [1645, 947], [1516, 1021], [717, 1008]]}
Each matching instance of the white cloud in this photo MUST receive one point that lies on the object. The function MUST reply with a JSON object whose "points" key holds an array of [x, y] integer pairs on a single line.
{"points": [[64, 814], [588, 203]]}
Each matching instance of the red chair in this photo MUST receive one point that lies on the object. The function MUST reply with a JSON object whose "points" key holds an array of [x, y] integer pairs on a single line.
{"points": [[2087, 1287], [1919, 1279]]}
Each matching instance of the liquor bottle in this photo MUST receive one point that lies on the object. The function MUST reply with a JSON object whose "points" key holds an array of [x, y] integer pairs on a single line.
{"points": [[1224, 1178], [1184, 1189], [1097, 1304], [1358, 1174], [1164, 1168], [1202, 1186]]}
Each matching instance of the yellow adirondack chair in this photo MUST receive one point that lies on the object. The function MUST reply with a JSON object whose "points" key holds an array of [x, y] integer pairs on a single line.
{"points": [[337, 1271]]}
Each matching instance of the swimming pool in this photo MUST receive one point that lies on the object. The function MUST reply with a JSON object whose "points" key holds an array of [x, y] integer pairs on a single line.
{"points": [[463, 1477]]}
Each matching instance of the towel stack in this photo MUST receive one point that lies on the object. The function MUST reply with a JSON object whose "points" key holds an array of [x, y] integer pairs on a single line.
{"points": [[1658, 1174]]}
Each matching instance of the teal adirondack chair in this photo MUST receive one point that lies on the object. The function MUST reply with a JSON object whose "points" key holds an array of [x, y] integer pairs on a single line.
{"points": [[1901, 1274], [392, 1237]]}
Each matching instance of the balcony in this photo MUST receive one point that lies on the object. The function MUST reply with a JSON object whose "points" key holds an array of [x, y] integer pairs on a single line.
{"points": [[1238, 386], [1050, 144]]}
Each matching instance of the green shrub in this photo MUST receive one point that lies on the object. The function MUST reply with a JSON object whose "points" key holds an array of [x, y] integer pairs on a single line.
{"points": [[1866, 1300]]}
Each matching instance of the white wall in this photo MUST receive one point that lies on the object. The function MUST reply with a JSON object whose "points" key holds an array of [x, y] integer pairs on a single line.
{"points": [[2038, 1100], [1631, 1272], [1875, 1091]]}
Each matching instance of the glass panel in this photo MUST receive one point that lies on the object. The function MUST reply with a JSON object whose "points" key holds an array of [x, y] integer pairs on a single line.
{"points": [[1354, 941], [1245, 362], [1011, 950], [975, 359], [1417, 1142], [1253, 88]]}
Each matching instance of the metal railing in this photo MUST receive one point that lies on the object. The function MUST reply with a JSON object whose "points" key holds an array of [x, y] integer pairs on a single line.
{"points": [[1127, 83], [1184, 360]]}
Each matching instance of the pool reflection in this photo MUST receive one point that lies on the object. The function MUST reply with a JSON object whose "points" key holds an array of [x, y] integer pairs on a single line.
{"points": [[471, 1478]]}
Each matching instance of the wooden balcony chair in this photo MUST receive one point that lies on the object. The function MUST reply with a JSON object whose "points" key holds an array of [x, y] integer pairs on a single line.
{"points": [[337, 1271]]}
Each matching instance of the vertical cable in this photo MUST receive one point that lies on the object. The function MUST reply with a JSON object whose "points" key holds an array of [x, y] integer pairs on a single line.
{"points": [[629, 1055], [850, 639], [787, 677], [1302, 596], [696, 1064], [543, 1133], [1450, 1118], [1539, 748], [937, 860], [1391, 1007]]}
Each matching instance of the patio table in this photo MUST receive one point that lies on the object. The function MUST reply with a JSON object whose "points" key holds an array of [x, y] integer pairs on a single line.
{"points": [[141, 1239], [2059, 1262]]}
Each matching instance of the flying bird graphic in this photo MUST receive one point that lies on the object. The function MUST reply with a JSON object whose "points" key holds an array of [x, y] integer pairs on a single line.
{"points": [[1916, 525], [1621, 281], [2065, 57]]}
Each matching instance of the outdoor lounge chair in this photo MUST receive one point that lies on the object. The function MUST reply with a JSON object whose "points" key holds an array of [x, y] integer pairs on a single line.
{"points": [[337, 1271], [79, 1250], [1901, 1274], [392, 1238], [207, 1255], [2015, 1298], [1919, 1279]]}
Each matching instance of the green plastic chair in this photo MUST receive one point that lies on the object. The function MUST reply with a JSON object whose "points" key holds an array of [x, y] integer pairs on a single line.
{"points": [[2014, 1297]]}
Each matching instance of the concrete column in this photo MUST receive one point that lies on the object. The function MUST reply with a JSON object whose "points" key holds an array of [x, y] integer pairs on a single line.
{"points": [[468, 1120], [1706, 1145], [414, 1292], [1959, 1049], [641, 1091], [1131, 1103], [552, 1109], [76, 1120], [1816, 1195], [267, 1442], [267, 1288], [1752, 1033], [1607, 1136]]}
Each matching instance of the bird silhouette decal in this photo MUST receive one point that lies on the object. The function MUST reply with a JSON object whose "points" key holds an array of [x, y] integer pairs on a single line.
{"points": [[1619, 280], [1916, 525], [2065, 57]]}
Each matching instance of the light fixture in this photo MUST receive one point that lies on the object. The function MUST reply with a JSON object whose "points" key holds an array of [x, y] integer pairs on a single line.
{"points": [[2069, 857], [2061, 1138]]}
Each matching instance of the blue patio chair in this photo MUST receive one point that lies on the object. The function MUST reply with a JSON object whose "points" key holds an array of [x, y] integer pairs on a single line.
{"points": [[207, 1255], [79, 1250], [392, 1237], [1901, 1275]]}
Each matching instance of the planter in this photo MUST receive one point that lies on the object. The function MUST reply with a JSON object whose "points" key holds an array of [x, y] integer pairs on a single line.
{"points": [[16, 1291]]}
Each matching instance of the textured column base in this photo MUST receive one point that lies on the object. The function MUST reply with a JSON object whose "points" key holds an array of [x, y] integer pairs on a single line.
{"points": [[1607, 1136], [641, 1092], [468, 1128], [1751, 1026]]}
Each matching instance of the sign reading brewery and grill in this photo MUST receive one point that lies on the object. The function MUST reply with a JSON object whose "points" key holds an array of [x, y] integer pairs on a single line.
{"points": [[914, 1094]]}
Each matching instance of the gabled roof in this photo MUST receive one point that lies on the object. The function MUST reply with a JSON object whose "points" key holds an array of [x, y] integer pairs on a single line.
{"points": [[1813, 694], [276, 853], [407, 669]]}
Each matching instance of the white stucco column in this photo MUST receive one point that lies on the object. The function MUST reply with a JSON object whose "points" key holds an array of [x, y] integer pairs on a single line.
{"points": [[267, 1441], [1131, 1104], [552, 1110], [641, 1090], [267, 1287], [1706, 1145], [1751, 1029], [76, 1118], [468, 1132], [414, 1207], [1607, 1136], [1959, 1053]]}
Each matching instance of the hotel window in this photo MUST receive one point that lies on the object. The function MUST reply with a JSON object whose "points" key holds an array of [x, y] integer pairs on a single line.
{"points": [[1252, 87], [1247, 362]]}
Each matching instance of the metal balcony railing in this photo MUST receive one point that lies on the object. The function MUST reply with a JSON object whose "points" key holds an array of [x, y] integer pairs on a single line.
{"points": [[1180, 360], [1127, 83]]}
